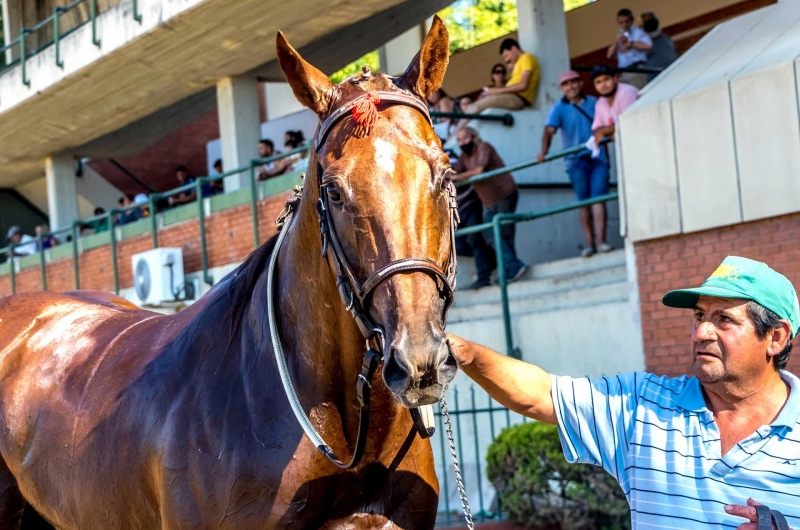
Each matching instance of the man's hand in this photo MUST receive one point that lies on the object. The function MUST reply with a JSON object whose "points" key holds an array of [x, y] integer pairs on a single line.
{"points": [[748, 512], [461, 350], [540, 156], [487, 91]]}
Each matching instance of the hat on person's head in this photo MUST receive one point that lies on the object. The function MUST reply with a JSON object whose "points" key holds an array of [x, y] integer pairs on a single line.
{"points": [[748, 279], [602, 69], [569, 75], [140, 198], [13, 230]]}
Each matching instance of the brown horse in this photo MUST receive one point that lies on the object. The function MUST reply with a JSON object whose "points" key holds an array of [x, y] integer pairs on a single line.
{"points": [[113, 418]]}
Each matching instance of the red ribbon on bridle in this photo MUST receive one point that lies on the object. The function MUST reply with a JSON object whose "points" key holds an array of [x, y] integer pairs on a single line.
{"points": [[365, 113]]}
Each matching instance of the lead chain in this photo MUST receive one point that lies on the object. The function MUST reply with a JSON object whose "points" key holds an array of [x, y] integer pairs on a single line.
{"points": [[462, 492]]}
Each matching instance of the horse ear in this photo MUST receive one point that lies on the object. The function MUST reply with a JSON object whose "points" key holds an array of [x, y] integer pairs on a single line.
{"points": [[426, 71], [311, 87]]}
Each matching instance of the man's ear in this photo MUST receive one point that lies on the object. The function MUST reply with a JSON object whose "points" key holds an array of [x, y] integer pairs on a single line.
{"points": [[426, 72], [311, 87], [779, 338]]}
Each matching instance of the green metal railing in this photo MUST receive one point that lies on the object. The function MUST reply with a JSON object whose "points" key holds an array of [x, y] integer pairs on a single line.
{"points": [[110, 217], [512, 218], [485, 422], [55, 20]]}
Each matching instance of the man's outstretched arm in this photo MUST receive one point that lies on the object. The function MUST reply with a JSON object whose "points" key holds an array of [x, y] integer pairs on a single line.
{"points": [[522, 387]]}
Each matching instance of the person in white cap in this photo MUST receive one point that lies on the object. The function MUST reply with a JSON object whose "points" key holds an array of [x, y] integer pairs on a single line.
{"points": [[26, 242], [573, 115]]}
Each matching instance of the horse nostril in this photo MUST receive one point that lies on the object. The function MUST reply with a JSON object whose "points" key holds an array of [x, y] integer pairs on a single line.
{"points": [[394, 373]]}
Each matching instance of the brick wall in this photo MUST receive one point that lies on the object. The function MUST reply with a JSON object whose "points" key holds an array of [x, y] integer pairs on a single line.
{"points": [[229, 234], [686, 261]]}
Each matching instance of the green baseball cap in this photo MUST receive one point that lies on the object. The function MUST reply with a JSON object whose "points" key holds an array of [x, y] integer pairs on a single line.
{"points": [[748, 279]]}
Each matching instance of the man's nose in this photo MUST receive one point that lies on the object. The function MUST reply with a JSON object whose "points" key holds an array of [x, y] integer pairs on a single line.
{"points": [[705, 331]]}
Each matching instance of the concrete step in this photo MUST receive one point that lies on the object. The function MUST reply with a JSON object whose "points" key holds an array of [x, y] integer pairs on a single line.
{"points": [[617, 290]]}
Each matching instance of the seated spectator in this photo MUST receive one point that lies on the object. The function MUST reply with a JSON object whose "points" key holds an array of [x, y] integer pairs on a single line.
{"points": [[464, 102], [615, 98], [663, 53], [520, 89], [130, 214], [99, 225], [295, 162], [217, 186], [47, 239], [630, 48], [182, 175], [499, 75], [17, 237], [439, 101], [497, 195], [574, 116], [266, 149]]}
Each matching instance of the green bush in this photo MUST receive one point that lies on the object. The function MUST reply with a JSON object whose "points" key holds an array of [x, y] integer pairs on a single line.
{"points": [[538, 488]]}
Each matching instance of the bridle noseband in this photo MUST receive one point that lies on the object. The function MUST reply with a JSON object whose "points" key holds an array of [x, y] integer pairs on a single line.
{"points": [[355, 295]]}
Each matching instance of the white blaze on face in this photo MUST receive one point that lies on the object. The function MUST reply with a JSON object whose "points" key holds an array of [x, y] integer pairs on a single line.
{"points": [[385, 153]]}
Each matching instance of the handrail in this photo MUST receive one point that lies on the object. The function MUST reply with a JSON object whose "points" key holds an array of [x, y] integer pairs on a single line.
{"points": [[512, 218], [507, 119], [623, 69], [527, 163]]}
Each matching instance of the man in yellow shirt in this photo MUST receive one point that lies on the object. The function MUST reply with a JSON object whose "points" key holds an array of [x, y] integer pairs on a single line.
{"points": [[520, 90]]}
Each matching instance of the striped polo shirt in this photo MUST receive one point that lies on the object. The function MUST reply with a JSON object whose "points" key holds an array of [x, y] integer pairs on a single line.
{"points": [[656, 436]]}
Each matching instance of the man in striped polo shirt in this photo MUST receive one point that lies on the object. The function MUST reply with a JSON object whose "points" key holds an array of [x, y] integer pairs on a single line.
{"points": [[689, 452]]}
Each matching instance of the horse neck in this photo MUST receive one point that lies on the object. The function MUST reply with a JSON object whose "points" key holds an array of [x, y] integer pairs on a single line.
{"points": [[323, 345]]}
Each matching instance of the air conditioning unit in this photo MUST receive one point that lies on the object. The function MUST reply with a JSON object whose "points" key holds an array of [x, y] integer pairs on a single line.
{"points": [[158, 275]]}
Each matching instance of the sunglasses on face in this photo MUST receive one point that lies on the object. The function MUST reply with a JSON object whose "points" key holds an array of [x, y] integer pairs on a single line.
{"points": [[498, 72]]}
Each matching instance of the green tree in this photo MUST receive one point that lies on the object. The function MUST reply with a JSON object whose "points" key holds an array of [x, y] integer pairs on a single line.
{"points": [[353, 68], [569, 5], [473, 22]]}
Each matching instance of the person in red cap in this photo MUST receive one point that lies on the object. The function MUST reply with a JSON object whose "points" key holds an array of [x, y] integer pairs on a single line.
{"points": [[573, 115]]}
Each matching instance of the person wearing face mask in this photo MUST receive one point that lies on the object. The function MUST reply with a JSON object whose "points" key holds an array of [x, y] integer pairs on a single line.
{"points": [[497, 195]]}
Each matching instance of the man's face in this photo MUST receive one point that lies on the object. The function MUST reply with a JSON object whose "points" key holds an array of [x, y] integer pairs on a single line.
{"points": [[625, 22], [464, 137], [16, 238], [509, 56], [572, 88], [182, 175], [725, 347], [605, 84], [264, 150]]}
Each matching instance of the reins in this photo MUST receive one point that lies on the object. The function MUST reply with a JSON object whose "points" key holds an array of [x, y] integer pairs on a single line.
{"points": [[355, 295]]}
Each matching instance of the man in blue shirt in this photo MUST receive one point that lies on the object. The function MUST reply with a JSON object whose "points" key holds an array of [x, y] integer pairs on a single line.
{"points": [[689, 452], [574, 115]]}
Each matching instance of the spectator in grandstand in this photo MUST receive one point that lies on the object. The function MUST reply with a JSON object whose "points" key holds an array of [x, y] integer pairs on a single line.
{"points": [[47, 239], [499, 74], [663, 53], [574, 116], [295, 162], [630, 48], [266, 149], [182, 175], [519, 91], [439, 101], [615, 98], [497, 195], [131, 213], [17, 237], [217, 186], [688, 451], [99, 225]]}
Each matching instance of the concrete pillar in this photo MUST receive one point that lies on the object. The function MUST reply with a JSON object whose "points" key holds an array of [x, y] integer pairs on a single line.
{"points": [[396, 54], [239, 127], [62, 191], [280, 100], [543, 32], [96, 189]]}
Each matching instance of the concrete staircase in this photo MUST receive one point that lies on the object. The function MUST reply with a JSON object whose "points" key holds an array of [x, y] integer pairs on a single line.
{"points": [[577, 316]]}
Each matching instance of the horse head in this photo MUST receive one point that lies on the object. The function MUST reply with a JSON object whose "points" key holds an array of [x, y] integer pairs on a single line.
{"points": [[381, 181]]}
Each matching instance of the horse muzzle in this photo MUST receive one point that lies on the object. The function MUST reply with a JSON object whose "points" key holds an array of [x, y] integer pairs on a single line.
{"points": [[418, 371]]}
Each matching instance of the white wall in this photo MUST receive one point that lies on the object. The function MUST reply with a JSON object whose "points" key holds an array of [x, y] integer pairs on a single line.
{"points": [[715, 140]]}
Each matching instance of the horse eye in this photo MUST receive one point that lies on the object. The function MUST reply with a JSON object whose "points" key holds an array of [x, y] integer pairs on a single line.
{"points": [[333, 194]]}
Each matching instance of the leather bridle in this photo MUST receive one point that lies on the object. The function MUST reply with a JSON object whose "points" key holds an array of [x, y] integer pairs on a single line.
{"points": [[355, 295]]}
